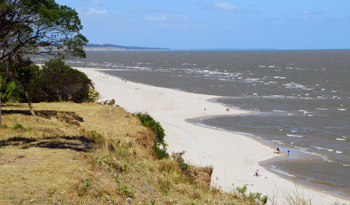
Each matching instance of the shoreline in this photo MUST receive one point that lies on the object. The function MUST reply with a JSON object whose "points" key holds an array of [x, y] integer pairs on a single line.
{"points": [[199, 142]]}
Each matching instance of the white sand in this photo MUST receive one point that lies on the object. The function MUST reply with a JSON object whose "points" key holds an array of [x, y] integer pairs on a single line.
{"points": [[234, 157]]}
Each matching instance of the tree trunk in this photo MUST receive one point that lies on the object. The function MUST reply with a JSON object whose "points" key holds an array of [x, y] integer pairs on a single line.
{"points": [[29, 103]]}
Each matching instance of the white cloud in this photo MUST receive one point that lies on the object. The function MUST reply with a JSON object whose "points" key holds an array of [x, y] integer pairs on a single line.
{"points": [[147, 10], [198, 2], [95, 11], [166, 17], [223, 6], [96, 3], [306, 12], [162, 17]]}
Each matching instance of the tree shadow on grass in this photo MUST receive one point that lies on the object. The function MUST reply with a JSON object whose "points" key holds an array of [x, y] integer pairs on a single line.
{"points": [[77, 143], [68, 117]]}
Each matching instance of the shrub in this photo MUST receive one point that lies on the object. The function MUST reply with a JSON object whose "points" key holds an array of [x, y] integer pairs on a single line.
{"points": [[159, 143], [94, 136], [60, 82], [242, 189], [93, 95]]}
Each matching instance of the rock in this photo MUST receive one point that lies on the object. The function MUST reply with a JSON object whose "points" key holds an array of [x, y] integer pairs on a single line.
{"points": [[129, 200]]}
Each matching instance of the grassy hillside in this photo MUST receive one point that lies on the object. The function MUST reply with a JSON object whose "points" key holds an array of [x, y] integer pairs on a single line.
{"points": [[94, 154]]}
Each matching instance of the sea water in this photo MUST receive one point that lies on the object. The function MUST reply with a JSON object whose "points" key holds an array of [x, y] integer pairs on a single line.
{"points": [[300, 100]]}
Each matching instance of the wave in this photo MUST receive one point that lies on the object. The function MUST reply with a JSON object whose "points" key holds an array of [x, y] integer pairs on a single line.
{"points": [[341, 139], [290, 135]]}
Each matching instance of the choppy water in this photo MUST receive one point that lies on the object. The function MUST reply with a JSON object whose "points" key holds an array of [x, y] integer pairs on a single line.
{"points": [[300, 100]]}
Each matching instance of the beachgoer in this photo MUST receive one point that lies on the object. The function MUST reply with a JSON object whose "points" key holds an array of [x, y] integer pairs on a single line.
{"points": [[188, 90], [227, 109], [288, 153], [257, 173], [195, 91]]}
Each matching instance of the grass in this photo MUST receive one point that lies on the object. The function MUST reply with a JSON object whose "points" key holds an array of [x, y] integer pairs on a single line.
{"points": [[94, 154]]}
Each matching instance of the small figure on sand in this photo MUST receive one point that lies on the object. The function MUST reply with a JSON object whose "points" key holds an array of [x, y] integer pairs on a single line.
{"points": [[195, 91], [288, 153], [227, 109], [257, 173], [205, 109], [188, 90], [277, 151]]}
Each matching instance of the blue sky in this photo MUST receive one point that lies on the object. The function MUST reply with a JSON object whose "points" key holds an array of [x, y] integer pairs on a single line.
{"points": [[205, 24]]}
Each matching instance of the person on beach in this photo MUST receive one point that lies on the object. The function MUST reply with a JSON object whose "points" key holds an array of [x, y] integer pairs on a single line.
{"points": [[257, 173], [277, 151]]}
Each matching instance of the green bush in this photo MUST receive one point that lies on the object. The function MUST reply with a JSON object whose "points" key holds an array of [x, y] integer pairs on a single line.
{"points": [[242, 189], [160, 147], [60, 82]]}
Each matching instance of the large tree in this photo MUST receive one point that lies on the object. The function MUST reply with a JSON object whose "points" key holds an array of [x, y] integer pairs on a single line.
{"points": [[37, 27]]}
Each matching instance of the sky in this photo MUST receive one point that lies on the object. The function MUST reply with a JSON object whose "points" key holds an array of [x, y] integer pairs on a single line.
{"points": [[217, 24]]}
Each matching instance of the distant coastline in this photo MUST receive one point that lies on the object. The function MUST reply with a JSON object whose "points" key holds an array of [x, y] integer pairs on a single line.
{"points": [[112, 47]]}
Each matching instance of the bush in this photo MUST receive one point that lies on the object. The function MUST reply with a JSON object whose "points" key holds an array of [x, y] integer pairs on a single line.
{"points": [[60, 82], [159, 143], [242, 189]]}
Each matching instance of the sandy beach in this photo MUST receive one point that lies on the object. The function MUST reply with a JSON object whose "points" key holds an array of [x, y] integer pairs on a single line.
{"points": [[234, 157]]}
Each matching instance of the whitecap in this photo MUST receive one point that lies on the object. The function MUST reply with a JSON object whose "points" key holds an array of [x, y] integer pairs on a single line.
{"points": [[289, 135], [330, 150], [294, 131], [341, 139], [278, 111], [341, 109], [339, 152], [321, 108], [318, 147], [346, 165]]}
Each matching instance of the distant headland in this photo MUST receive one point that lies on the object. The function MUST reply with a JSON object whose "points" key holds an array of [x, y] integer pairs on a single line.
{"points": [[112, 47]]}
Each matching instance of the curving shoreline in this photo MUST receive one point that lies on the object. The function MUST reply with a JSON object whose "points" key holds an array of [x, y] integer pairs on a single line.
{"points": [[234, 157]]}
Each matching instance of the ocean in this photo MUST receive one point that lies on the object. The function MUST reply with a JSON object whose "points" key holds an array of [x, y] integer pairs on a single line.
{"points": [[299, 99]]}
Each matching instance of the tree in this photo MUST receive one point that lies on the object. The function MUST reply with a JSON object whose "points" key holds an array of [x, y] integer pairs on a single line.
{"points": [[37, 27]]}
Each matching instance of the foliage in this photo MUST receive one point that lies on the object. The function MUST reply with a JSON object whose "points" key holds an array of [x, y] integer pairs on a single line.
{"points": [[39, 27], [107, 102], [60, 82], [160, 147], [242, 189], [93, 95], [7, 88]]}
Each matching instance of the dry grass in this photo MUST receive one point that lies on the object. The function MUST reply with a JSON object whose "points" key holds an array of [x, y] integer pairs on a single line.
{"points": [[92, 154]]}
